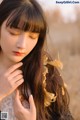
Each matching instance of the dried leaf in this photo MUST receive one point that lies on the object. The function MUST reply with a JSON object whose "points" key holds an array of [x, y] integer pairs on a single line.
{"points": [[56, 63]]}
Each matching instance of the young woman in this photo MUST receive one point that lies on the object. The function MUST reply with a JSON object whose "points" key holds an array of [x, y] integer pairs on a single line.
{"points": [[30, 87]]}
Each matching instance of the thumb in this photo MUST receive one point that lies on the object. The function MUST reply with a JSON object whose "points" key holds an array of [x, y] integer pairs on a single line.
{"points": [[32, 104]]}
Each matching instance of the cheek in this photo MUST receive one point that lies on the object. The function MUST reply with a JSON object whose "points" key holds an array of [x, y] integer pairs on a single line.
{"points": [[32, 45], [5, 41]]}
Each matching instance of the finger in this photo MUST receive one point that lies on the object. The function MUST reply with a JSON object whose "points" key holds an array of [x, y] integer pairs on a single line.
{"points": [[32, 104], [13, 68], [15, 73], [17, 78], [19, 82]]}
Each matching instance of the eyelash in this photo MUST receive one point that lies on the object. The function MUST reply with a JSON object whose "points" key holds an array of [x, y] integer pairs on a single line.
{"points": [[14, 34], [32, 37]]}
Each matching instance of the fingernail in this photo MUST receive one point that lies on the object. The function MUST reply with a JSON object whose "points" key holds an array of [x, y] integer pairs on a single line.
{"points": [[31, 95], [21, 63]]}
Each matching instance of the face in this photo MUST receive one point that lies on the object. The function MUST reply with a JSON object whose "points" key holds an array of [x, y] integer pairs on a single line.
{"points": [[16, 44]]}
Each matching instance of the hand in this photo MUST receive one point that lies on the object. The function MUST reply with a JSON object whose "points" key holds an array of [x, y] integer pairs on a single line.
{"points": [[10, 80], [21, 112]]}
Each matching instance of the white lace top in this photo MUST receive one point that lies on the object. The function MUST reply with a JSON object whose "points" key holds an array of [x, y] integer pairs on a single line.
{"points": [[6, 105]]}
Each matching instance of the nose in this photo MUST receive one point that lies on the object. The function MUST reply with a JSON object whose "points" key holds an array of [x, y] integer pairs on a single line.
{"points": [[21, 43]]}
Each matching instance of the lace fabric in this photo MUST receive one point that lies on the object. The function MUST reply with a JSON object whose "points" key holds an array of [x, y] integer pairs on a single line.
{"points": [[7, 106]]}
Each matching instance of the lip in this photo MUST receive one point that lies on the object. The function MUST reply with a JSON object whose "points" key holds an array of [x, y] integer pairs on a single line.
{"points": [[18, 53]]}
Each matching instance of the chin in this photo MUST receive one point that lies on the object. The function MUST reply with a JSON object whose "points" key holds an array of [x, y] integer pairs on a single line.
{"points": [[15, 59]]}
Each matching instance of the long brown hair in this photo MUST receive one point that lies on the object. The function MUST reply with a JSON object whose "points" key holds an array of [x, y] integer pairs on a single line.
{"points": [[31, 15]]}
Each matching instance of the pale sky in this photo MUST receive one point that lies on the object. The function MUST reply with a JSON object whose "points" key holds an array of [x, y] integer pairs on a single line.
{"points": [[67, 10]]}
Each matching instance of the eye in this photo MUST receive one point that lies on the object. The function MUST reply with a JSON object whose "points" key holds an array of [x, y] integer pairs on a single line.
{"points": [[33, 37], [13, 33]]}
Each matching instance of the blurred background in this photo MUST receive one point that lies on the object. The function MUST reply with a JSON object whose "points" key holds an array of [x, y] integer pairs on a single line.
{"points": [[63, 38]]}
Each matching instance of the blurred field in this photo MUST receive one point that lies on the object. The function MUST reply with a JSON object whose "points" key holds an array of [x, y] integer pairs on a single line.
{"points": [[64, 38]]}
